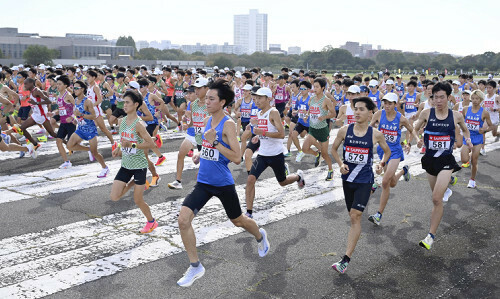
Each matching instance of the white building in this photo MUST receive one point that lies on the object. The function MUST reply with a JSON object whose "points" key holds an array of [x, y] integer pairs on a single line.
{"points": [[250, 32], [294, 51], [162, 45], [141, 44]]}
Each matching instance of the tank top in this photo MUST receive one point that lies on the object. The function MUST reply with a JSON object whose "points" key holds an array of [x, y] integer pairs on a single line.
{"points": [[91, 94], [84, 125], [132, 158], [246, 110], [65, 109], [427, 105], [349, 113], [338, 98], [294, 100], [375, 98], [358, 156], [281, 94], [390, 129], [38, 109], [238, 94], [151, 109], [490, 104], [170, 88], [268, 146], [104, 91], [316, 110], [53, 94], [198, 115], [400, 88], [410, 102], [462, 87], [474, 121], [302, 107], [23, 93], [213, 165], [179, 91], [439, 135], [119, 101], [423, 97]]}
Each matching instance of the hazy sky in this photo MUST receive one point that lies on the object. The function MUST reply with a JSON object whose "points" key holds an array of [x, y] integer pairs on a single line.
{"points": [[448, 26]]}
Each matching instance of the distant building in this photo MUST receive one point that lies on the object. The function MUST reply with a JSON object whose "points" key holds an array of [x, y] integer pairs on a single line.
{"points": [[211, 49], [353, 47], [250, 32], [141, 44], [294, 51], [85, 36], [275, 49], [162, 45]]}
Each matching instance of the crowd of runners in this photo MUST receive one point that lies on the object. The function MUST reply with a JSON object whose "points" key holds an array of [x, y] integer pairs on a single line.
{"points": [[229, 116]]}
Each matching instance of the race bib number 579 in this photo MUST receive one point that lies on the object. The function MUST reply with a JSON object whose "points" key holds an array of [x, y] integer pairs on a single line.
{"points": [[356, 155]]}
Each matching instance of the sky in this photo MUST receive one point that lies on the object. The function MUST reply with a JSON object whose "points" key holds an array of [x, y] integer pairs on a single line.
{"points": [[457, 27]]}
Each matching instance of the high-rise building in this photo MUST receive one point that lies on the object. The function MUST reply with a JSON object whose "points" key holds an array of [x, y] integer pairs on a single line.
{"points": [[250, 32], [294, 50], [141, 44]]}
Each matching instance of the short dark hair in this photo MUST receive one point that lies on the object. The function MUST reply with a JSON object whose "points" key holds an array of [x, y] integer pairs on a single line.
{"points": [[284, 69], [143, 82], [91, 73], [152, 79], [224, 91], [64, 79], [307, 84], [30, 80], [368, 102], [135, 96], [23, 74], [296, 82], [413, 83], [166, 68], [442, 86], [492, 83], [83, 85], [321, 81]]}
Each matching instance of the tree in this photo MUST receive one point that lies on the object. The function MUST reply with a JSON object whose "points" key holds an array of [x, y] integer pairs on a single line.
{"points": [[1, 53], [126, 41], [335, 57], [222, 62], [198, 53], [36, 54]]}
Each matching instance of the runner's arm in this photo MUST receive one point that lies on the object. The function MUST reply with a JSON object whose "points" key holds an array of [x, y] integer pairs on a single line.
{"points": [[89, 107], [487, 120], [375, 119], [276, 121], [380, 139], [331, 110], [147, 114], [148, 141], [336, 144], [98, 95], [229, 132]]}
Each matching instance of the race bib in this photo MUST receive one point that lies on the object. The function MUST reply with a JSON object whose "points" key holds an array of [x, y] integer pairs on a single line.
{"points": [[350, 119], [179, 94], [314, 114], [278, 97], [81, 121], [263, 126], [302, 110], [472, 125], [245, 113], [198, 127], [129, 150], [62, 112], [439, 143], [356, 155], [410, 105], [254, 113], [489, 104], [208, 152], [390, 136]]}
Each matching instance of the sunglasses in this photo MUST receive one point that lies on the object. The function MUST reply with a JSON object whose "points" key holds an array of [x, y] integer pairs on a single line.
{"points": [[77, 88], [302, 88]]}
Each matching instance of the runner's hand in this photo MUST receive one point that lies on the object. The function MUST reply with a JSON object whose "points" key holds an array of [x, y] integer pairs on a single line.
{"points": [[210, 135], [378, 169], [254, 121], [117, 152], [407, 148], [344, 169], [196, 158], [126, 143], [420, 143], [255, 139]]}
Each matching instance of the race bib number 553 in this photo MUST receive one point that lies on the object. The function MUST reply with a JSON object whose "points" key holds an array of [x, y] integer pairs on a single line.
{"points": [[356, 155], [208, 152]]}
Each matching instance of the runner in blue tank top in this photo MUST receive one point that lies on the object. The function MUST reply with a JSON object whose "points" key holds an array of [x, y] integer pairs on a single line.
{"points": [[375, 94], [411, 103], [475, 117], [389, 122], [356, 168], [438, 161], [220, 146], [290, 118], [300, 110]]}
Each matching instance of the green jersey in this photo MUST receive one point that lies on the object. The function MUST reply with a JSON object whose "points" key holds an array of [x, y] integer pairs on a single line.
{"points": [[132, 158]]}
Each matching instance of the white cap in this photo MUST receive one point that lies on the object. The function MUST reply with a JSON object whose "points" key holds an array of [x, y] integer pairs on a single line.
{"points": [[59, 66], [21, 66], [41, 67], [76, 64], [226, 68], [15, 68], [467, 91], [216, 67], [200, 82], [247, 87], [237, 74], [158, 71], [373, 83], [456, 82], [391, 97], [389, 82], [27, 69], [134, 84], [354, 89], [85, 68], [264, 91], [78, 70]]}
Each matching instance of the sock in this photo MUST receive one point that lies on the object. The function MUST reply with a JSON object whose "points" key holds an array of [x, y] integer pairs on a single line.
{"points": [[152, 221], [379, 214], [248, 171], [195, 264], [346, 259], [260, 240], [250, 212], [178, 181], [161, 156], [432, 236]]}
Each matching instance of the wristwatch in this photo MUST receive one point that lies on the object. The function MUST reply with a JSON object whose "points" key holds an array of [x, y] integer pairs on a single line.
{"points": [[214, 144], [134, 145], [382, 163]]}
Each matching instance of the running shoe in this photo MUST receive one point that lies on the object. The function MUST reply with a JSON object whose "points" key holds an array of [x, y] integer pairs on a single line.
{"points": [[158, 141], [18, 130], [21, 153], [249, 215], [318, 160], [177, 129], [466, 165], [65, 165], [31, 151], [192, 274], [42, 131], [42, 138], [6, 138], [299, 157], [329, 177], [422, 151], [340, 266], [104, 172], [263, 246], [288, 154], [37, 147], [50, 137], [190, 153], [374, 187], [375, 218], [301, 182], [113, 132], [406, 173], [160, 161], [91, 157], [453, 180], [427, 242], [472, 184], [447, 194], [287, 169], [175, 185], [146, 185], [155, 180], [163, 128], [149, 227], [114, 146], [239, 139], [22, 139], [482, 152]]}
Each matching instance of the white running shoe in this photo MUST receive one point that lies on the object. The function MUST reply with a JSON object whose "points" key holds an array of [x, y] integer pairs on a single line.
{"points": [[31, 151], [175, 185], [263, 246], [447, 194], [299, 157], [22, 139], [104, 172], [472, 184], [301, 182], [91, 157], [192, 274], [427, 242], [65, 165], [482, 152]]}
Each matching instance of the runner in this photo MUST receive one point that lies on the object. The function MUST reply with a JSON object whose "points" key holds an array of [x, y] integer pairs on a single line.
{"points": [[375, 94], [320, 109], [66, 105], [9, 147], [134, 141], [179, 99], [301, 111], [243, 108], [220, 146], [107, 92], [389, 122], [86, 130], [252, 146], [292, 118], [438, 160], [281, 92], [346, 112], [195, 114], [492, 105], [269, 130], [475, 116], [119, 91], [400, 86], [356, 169], [410, 101]]}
